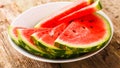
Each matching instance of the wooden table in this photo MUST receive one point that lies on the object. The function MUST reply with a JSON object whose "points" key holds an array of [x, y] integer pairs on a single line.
{"points": [[10, 58]]}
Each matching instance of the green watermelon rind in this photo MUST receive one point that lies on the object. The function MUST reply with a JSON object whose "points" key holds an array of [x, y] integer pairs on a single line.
{"points": [[98, 4], [12, 36], [32, 48], [73, 49], [57, 52]]}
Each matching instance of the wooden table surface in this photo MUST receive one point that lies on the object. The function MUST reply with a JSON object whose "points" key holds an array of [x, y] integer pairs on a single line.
{"points": [[10, 58]]}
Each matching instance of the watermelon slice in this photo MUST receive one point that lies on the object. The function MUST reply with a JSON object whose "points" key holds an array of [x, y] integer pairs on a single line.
{"points": [[63, 12], [47, 40], [85, 34], [13, 33], [70, 13], [28, 44], [81, 12]]}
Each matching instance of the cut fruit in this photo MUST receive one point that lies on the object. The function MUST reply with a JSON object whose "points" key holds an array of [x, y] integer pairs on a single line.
{"points": [[47, 40], [27, 43], [85, 34], [73, 31], [13, 33], [50, 21], [81, 12], [70, 16]]}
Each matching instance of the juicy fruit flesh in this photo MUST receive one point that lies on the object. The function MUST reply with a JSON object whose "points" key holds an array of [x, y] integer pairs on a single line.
{"points": [[13, 33], [82, 12], [28, 32], [28, 44], [50, 22], [85, 30], [40, 34], [50, 37]]}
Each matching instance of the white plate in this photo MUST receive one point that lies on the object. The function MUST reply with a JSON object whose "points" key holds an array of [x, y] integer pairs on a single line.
{"points": [[32, 16]]}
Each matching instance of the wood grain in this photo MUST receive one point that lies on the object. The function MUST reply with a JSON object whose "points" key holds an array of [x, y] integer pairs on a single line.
{"points": [[10, 58]]}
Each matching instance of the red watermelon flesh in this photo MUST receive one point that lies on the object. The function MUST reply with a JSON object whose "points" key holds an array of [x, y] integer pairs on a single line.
{"points": [[73, 15], [54, 33], [28, 32], [46, 41], [81, 12], [13, 33], [85, 30], [78, 4], [27, 42]]}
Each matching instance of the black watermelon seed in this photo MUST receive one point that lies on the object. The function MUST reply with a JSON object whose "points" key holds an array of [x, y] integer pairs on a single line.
{"points": [[58, 33], [83, 27], [91, 21], [91, 26], [74, 31]]}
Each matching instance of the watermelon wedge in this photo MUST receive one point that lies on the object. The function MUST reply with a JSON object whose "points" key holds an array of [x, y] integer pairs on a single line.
{"points": [[81, 12], [24, 36], [69, 13], [13, 33], [85, 34], [47, 40]]}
